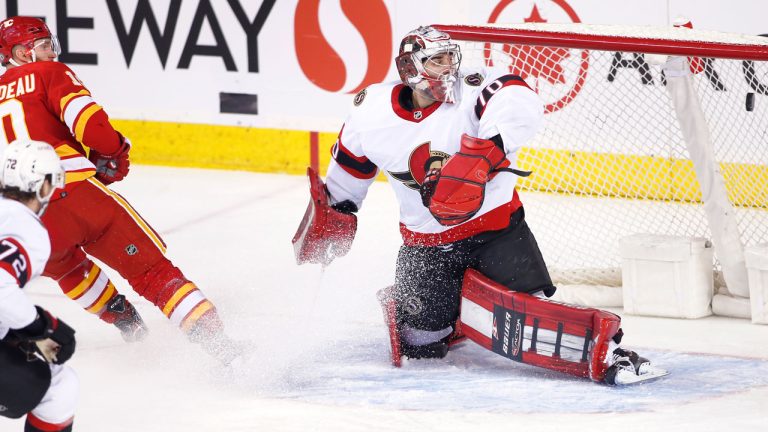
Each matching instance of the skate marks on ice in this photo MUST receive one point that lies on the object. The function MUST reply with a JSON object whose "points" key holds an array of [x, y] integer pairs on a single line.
{"points": [[473, 379]]}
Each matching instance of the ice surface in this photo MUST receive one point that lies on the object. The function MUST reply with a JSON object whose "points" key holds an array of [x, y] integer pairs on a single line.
{"points": [[319, 350]]}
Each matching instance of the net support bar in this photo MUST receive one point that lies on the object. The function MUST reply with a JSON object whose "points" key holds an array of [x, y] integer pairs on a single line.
{"points": [[717, 208]]}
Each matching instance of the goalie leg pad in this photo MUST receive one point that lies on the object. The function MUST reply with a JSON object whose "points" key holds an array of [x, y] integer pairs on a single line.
{"points": [[532, 330], [323, 233], [389, 307], [400, 348]]}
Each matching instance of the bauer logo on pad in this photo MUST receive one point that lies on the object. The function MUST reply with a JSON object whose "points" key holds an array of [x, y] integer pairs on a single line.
{"points": [[511, 333]]}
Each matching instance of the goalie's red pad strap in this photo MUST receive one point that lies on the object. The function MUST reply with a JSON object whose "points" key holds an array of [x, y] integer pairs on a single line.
{"points": [[532, 330], [323, 233]]}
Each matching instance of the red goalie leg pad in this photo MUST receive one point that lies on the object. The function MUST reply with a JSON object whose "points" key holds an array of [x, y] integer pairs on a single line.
{"points": [[387, 301], [532, 330], [323, 233]]}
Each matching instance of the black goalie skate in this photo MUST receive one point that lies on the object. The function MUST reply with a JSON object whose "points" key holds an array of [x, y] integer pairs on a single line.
{"points": [[630, 368]]}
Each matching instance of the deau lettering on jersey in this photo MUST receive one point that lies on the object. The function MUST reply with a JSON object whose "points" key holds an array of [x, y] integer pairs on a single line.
{"points": [[22, 86]]}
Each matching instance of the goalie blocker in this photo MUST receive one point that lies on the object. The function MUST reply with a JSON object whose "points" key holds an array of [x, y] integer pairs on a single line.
{"points": [[325, 232]]}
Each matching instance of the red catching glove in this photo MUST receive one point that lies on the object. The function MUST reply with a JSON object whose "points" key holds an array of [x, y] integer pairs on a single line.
{"points": [[455, 192], [326, 231], [112, 168]]}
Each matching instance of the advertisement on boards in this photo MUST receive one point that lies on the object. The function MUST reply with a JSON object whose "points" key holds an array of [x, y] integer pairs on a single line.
{"points": [[289, 65]]}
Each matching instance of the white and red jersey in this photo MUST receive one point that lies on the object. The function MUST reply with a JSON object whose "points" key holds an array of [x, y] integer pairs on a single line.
{"points": [[385, 133], [45, 101], [24, 250]]}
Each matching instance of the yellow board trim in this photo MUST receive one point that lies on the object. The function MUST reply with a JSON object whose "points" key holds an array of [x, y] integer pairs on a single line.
{"points": [[559, 171], [287, 151], [222, 147], [86, 283]]}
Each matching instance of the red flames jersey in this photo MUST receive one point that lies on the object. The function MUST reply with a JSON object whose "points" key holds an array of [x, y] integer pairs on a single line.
{"points": [[46, 101]]}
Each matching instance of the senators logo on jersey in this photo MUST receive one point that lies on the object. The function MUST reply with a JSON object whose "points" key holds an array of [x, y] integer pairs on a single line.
{"points": [[421, 160]]}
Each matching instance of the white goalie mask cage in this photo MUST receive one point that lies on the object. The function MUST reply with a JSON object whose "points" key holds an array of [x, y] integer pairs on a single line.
{"points": [[428, 62]]}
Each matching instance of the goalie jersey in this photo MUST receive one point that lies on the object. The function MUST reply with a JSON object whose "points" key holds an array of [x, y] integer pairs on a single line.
{"points": [[385, 133], [24, 250]]}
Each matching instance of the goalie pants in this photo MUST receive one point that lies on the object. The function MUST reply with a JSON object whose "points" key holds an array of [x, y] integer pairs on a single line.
{"points": [[46, 393], [428, 279]]}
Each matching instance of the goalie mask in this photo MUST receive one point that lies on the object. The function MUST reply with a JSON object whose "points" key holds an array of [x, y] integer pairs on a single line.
{"points": [[29, 32], [26, 164], [429, 64]]}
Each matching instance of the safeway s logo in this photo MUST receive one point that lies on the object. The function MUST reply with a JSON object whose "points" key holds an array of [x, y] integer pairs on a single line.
{"points": [[321, 63], [542, 66]]}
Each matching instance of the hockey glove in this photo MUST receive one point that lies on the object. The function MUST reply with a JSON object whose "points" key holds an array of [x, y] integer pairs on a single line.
{"points": [[455, 192], [46, 337], [112, 168], [326, 231]]}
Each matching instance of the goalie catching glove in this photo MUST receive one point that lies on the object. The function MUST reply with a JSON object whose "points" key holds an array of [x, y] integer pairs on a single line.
{"points": [[326, 231], [46, 337], [455, 192], [112, 168]]}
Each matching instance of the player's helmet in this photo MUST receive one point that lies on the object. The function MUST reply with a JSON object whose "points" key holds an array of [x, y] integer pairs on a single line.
{"points": [[24, 31], [26, 164], [429, 63]]}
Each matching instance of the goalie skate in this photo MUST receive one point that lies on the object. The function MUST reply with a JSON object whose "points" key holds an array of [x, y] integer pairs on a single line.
{"points": [[630, 368]]}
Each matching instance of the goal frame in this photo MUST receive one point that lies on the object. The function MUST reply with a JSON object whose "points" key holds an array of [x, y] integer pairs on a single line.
{"points": [[678, 42]]}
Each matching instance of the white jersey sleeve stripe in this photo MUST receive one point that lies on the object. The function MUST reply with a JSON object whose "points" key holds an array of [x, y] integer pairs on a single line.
{"points": [[74, 108]]}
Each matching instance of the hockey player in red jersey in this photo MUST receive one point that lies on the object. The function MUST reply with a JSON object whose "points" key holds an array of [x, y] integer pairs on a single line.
{"points": [[447, 140], [44, 100], [34, 345]]}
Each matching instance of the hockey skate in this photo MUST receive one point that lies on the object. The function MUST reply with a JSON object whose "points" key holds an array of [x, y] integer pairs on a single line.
{"points": [[121, 313], [208, 331], [437, 349], [629, 368]]}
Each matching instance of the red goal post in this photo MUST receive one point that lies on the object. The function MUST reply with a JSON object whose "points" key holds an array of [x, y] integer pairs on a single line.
{"points": [[628, 149], [650, 40]]}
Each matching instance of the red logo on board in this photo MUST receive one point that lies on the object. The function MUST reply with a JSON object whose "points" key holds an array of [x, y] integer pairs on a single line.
{"points": [[526, 60], [319, 60]]}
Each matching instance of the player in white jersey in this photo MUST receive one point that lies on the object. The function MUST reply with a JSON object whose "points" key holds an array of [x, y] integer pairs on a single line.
{"points": [[34, 345], [447, 140]]}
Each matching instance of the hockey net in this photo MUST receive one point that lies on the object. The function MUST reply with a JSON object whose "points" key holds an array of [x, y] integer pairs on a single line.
{"points": [[612, 159]]}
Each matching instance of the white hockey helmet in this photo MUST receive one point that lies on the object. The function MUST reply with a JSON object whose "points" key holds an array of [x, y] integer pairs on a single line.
{"points": [[26, 164], [428, 63]]}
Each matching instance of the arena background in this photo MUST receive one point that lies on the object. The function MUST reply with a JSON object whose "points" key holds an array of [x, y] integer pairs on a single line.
{"points": [[249, 85]]}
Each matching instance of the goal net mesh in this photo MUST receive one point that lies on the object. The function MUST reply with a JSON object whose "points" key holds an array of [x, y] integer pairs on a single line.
{"points": [[611, 160]]}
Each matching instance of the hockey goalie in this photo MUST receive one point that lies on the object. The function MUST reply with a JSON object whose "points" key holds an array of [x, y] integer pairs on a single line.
{"points": [[447, 139]]}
